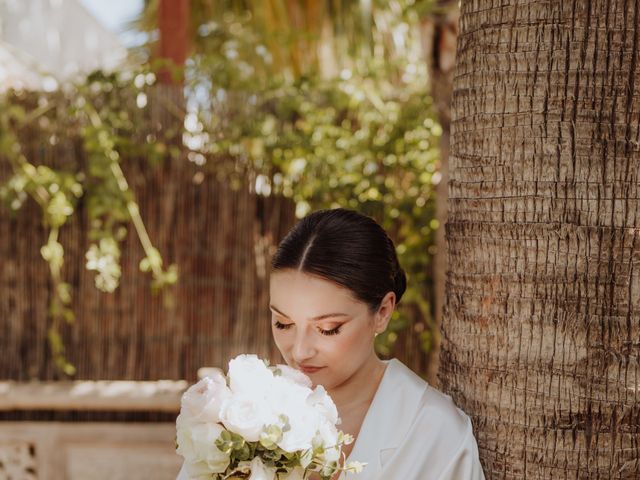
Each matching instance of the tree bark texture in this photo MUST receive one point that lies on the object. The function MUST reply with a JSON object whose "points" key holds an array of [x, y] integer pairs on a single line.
{"points": [[541, 329]]}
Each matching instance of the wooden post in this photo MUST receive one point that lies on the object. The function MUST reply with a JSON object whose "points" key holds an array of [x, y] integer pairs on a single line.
{"points": [[173, 24]]}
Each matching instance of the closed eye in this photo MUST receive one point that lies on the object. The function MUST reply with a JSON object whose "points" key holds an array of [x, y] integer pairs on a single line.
{"points": [[333, 331], [285, 326], [282, 326]]}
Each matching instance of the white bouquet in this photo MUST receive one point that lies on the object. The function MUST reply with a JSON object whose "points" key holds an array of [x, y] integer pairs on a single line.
{"points": [[259, 423]]}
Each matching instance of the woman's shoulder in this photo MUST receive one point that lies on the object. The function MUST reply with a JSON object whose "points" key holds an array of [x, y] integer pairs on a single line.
{"points": [[435, 408], [412, 427], [440, 435]]}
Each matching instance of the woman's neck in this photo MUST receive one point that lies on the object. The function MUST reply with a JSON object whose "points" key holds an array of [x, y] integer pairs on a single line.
{"points": [[361, 387]]}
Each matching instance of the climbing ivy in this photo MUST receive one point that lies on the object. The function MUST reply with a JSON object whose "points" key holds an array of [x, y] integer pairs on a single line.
{"points": [[364, 139], [106, 128]]}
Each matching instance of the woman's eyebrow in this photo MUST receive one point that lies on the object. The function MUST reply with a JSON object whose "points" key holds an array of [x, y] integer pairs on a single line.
{"points": [[319, 317]]}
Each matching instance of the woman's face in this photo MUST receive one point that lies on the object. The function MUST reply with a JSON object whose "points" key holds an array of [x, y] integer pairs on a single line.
{"points": [[320, 327]]}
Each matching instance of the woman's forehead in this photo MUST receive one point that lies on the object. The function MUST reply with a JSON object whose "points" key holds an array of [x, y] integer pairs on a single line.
{"points": [[293, 287], [291, 276]]}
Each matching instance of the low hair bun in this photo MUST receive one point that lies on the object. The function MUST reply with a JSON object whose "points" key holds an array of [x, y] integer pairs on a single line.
{"points": [[400, 284]]}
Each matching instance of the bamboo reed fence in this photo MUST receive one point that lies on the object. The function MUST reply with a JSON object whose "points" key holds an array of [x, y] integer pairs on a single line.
{"points": [[222, 240]]}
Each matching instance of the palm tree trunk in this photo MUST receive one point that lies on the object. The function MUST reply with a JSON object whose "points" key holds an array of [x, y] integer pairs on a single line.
{"points": [[541, 321]]}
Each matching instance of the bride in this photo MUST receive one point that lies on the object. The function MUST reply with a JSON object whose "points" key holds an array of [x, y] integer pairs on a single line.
{"points": [[335, 282]]}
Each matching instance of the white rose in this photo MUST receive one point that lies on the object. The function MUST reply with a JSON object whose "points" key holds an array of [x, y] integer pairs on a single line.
{"points": [[290, 399], [329, 435], [286, 396], [198, 470], [295, 375], [322, 402], [249, 375], [196, 443], [202, 401], [259, 471], [246, 415], [304, 426]]}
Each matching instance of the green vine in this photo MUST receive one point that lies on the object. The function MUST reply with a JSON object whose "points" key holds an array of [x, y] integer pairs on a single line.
{"points": [[365, 139], [102, 185]]}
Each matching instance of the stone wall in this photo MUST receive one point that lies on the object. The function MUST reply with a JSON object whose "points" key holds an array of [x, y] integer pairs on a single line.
{"points": [[88, 450]]}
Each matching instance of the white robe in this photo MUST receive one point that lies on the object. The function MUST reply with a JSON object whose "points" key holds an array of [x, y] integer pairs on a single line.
{"points": [[412, 432]]}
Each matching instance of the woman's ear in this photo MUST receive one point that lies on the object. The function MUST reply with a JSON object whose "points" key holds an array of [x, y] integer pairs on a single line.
{"points": [[387, 305]]}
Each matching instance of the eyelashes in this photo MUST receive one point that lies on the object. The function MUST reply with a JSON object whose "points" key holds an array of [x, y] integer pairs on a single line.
{"points": [[282, 326], [285, 326], [333, 331]]}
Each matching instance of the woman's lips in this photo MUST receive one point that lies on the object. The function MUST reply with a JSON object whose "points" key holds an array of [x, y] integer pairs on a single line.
{"points": [[310, 369]]}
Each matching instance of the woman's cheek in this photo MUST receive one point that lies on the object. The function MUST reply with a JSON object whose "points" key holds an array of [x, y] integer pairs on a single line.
{"points": [[360, 345], [342, 344], [280, 340]]}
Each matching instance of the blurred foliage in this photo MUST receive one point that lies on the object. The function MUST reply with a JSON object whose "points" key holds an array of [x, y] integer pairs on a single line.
{"points": [[327, 105], [301, 37], [96, 116]]}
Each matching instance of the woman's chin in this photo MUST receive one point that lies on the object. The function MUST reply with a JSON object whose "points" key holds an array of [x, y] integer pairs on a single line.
{"points": [[322, 380]]}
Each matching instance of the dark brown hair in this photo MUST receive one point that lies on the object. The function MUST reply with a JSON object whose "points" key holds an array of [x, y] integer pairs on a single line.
{"points": [[347, 248]]}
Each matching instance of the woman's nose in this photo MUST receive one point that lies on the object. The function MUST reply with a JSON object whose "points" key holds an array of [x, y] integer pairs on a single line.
{"points": [[303, 347]]}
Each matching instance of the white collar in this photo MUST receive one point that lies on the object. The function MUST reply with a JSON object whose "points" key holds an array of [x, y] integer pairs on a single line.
{"points": [[389, 416]]}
